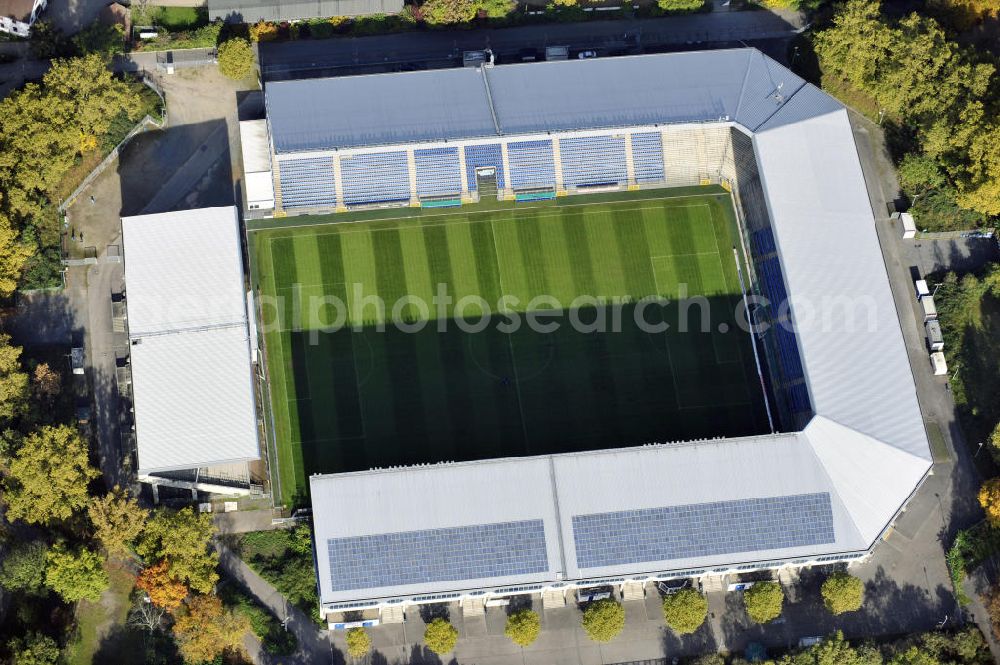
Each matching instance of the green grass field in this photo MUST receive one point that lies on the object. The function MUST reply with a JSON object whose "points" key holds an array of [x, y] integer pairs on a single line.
{"points": [[360, 398]]}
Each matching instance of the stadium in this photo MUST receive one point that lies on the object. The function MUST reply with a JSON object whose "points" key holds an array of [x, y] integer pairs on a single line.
{"points": [[467, 466]]}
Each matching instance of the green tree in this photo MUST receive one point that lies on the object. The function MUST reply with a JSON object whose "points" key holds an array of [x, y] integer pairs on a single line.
{"points": [[35, 649], [75, 575], [835, 650], [48, 476], [685, 610], [523, 627], [359, 643], [918, 173], [842, 593], [100, 38], [118, 520], [44, 128], [680, 6], [23, 568], [603, 620], [440, 636], [763, 601], [235, 58], [14, 252], [183, 538], [13, 380]]}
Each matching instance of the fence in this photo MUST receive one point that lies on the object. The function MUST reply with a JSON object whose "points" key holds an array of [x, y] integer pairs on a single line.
{"points": [[140, 127]]}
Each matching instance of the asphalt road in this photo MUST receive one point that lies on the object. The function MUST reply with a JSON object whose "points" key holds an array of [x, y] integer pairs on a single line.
{"points": [[436, 49]]}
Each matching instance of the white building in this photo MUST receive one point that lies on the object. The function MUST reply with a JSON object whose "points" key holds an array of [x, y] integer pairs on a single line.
{"points": [[192, 376], [17, 16], [258, 181]]}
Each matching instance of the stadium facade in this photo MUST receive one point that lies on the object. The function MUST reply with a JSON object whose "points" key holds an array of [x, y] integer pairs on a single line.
{"points": [[850, 446]]}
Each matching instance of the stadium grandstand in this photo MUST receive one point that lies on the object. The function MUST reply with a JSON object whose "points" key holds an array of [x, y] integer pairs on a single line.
{"points": [[849, 446], [190, 353]]}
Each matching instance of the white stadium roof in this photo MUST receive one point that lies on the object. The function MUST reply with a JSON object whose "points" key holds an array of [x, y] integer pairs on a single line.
{"points": [[189, 341], [829, 490]]}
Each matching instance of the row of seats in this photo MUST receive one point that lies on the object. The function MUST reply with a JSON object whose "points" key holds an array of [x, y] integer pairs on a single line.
{"points": [[383, 177]]}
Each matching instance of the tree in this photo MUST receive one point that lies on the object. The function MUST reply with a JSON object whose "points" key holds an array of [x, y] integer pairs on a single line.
{"points": [[523, 627], [183, 538], [358, 643], [918, 173], [35, 649], [13, 255], [48, 476], [46, 383], [100, 38], [75, 575], [989, 499], [13, 381], [235, 58], [23, 568], [763, 601], [43, 129], [680, 6], [685, 611], [603, 620], [118, 520], [842, 593], [449, 12], [205, 630], [440, 636], [163, 589]]}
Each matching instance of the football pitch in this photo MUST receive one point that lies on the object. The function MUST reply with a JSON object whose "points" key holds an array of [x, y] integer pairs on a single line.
{"points": [[351, 390]]}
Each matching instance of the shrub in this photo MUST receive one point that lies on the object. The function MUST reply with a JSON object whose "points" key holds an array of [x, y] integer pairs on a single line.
{"points": [[236, 59], [685, 611], [264, 31], [763, 601], [358, 643], [603, 620], [680, 6], [843, 593], [440, 636], [523, 627], [449, 12]]}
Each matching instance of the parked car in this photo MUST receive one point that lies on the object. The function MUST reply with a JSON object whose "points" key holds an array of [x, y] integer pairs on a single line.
{"points": [[584, 55]]}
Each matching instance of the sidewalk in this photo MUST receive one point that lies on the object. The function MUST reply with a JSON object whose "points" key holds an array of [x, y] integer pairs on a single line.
{"points": [[314, 643]]}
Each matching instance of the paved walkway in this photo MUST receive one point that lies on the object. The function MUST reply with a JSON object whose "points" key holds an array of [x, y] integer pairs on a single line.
{"points": [[314, 645]]}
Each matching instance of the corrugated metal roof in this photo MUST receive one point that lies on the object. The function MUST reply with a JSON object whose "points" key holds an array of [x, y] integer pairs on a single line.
{"points": [[557, 488], [251, 11], [377, 109], [848, 329], [434, 497], [383, 109], [254, 146], [190, 352], [617, 92], [183, 270], [193, 399]]}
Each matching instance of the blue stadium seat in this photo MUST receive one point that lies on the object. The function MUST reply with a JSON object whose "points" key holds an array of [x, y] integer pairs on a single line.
{"points": [[307, 183], [380, 177], [593, 160], [438, 172], [485, 155], [531, 164], [647, 156]]}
